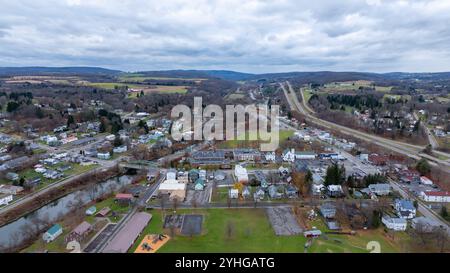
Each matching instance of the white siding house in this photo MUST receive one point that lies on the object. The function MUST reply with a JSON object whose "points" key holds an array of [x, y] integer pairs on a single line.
{"points": [[398, 224], [435, 196], [5, 199]]}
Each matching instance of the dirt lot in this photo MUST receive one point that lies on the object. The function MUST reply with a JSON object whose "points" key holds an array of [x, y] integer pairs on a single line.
{"points": [[283, 221]]}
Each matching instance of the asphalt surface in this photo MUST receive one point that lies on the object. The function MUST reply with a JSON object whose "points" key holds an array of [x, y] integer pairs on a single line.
{"points": [[410, 150]]}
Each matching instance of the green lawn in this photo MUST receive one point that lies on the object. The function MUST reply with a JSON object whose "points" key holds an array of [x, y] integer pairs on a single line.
{"points": [[112, 85], [233, 144], [253, 233]]}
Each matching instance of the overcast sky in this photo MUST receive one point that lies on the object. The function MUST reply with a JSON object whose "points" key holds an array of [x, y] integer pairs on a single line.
{"points": [[242, 35]]}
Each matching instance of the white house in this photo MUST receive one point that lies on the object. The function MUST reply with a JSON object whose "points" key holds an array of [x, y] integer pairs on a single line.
{"points": [[10, 189], [435, 196], [50, 139], [380, 189], [364, 157], [106, 155], [120, 149], [52, 233], [270, 156], [241, 173], [405, 208], [289, 155], [305, 155], [110, 137], [397, 224], [171, 175], [5, 199], [425, 180], [233, 193], [317, 186]]}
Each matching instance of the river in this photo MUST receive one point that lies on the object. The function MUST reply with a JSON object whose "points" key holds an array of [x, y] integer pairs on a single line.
{"points": [[13, 234]]}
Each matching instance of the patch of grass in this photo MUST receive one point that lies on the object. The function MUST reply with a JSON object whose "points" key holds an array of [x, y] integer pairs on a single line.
{"points": [[113, 85], [233, 144], [252, 232]]}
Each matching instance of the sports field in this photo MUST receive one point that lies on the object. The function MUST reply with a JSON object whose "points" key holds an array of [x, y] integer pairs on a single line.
{"points": [[249, 230]]}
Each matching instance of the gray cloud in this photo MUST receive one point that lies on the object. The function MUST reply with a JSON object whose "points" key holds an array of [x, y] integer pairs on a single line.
{"points": [[253, 36]]}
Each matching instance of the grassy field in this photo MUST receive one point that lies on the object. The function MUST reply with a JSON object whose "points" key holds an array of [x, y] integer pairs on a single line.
{"points": [[113, 85], [354, 85], [252, 232], [233, 144], [167, 89], [307, 94]]}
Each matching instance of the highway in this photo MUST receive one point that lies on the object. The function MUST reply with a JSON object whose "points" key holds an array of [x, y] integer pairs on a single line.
{"points": [[409, 150]]}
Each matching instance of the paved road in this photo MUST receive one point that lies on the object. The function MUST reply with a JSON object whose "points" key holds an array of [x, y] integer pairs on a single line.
{"points": [[140, 202], [422, 208], [412, 151]]}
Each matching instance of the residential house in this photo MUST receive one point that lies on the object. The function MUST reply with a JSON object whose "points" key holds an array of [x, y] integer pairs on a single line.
{"points": [[199, 184], [193, 174], [259, 194], [51, 174], [12, 176], [52, 233], [305, 155], [51, 161], [233, 193], [425, 180], [261, 178], [270, 156], [5, 199], [120, 149], [328, 210], [202, 174], [91, 210], [171, 174], [317, 185], [246, 192], [283, 171], [397, 224], [435, 196], [241, 174], [10, 189], [291, 191], [32, 182], [80, 232], [103, 212], [312, 233], [124, 198], [380, 189], [405, 208], [288, 155], [335, 191], [14, 163], [64, 168], [275, 192], [105, 155]]}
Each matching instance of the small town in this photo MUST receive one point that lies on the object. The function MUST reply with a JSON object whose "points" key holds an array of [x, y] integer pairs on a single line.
{"points": [[130, 130]]}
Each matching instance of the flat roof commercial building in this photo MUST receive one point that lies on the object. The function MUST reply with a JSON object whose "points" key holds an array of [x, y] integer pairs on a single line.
{"points": [[123, 240]]}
